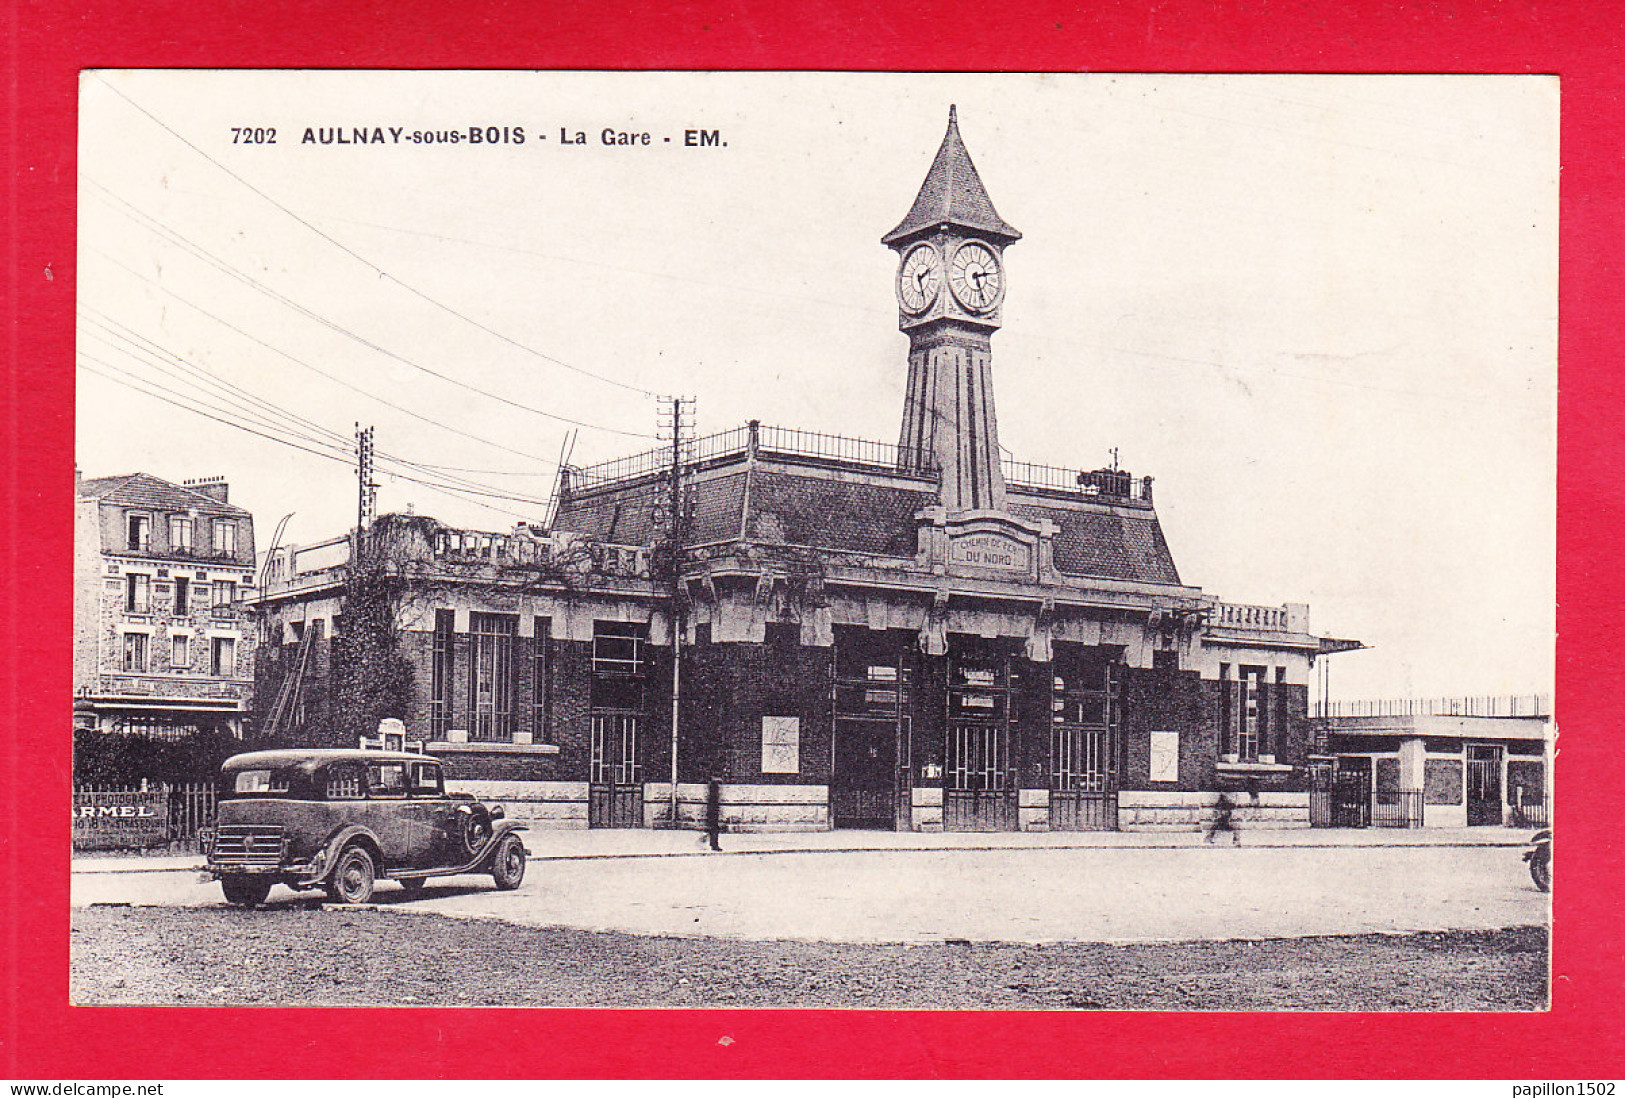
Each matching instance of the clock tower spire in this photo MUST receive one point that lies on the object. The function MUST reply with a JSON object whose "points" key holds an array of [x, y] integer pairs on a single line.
{"points": [[950, 292]]}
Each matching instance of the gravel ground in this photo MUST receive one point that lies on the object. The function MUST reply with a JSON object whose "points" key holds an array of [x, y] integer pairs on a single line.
{"points": [[379, 956]]}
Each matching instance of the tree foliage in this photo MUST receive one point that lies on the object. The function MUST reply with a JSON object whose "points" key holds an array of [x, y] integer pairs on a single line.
{"points": [[116, 758], [371, 677]]}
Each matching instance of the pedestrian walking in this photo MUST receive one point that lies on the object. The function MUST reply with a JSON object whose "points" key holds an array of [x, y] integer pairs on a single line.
{"points": [[1224, 820], [713, 813]]}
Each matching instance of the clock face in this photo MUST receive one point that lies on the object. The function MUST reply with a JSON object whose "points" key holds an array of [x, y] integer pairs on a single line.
{"points": [[920, 278], [974, 277]]}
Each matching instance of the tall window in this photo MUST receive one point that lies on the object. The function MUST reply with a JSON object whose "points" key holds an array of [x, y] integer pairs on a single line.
{"points": [[1245, 713], [225, 593], [618, 664], [180, 534], [135, 653], [183, 588], [138, 533], [223, 657], [225, 536], [440, 674], [617, 648], [137, 593], [491, 676], [180, 653], [542, 680]]}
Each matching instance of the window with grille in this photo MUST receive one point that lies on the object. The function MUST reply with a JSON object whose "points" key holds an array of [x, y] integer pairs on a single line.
{"points": [[491, 676], [542, 675], [1244, 710], [440, 674], [619, 663], [618, 647]]}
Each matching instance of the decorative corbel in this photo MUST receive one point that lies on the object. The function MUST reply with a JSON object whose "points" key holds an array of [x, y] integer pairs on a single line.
{"points": [[934, 637], [1040, 646]]}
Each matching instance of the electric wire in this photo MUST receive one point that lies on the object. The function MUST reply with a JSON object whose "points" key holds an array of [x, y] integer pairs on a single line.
{"points": [[159, 228], [331, 451], [335, 379], [364, 261]]}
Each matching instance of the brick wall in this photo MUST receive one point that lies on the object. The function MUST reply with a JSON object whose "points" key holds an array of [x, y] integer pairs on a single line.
{"points": [[730, 687]]}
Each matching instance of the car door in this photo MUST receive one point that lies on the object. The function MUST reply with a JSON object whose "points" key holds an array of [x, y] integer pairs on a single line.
{"points": [[443, 846], [394, 816]]}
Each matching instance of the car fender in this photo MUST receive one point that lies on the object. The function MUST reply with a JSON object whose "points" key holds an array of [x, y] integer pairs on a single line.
{"points": [[339, 840], [499, 829]]}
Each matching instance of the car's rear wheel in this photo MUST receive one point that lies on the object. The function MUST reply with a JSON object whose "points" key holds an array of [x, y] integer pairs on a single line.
{"points": [[353, 876], [508, 865], [245, 891]]}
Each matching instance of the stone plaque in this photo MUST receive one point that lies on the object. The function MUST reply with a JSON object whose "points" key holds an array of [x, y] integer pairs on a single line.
{"points": [[990, 551]]}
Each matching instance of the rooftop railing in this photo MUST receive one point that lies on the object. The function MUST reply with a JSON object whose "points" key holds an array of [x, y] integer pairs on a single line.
{"points": [[1235, 615], [1492, 705], [769, 441], [296, 568], [857, 453], [1099, 483]]}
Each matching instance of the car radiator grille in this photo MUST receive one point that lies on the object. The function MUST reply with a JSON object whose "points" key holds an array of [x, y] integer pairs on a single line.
{"points": [[247, 844]]}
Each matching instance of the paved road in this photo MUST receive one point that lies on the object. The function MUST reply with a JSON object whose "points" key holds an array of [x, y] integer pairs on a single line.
{"points": [[1026, 894]]}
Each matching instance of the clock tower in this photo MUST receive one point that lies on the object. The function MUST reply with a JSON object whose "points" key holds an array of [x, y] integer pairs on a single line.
{"points": [[950, 293]]}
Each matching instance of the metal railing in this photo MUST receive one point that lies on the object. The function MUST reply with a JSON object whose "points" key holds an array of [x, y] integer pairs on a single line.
{"points": [[1396, 808], [1503, 705], [121, 817], [1094, 483], [781, 441]]}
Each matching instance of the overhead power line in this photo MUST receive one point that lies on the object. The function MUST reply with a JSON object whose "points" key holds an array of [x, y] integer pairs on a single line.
{"points": [[244, 404], [154, 225], [315, 447], [364, 261]]}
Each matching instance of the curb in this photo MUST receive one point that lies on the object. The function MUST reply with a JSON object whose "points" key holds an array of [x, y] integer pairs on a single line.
{"points": [[198, 867]]}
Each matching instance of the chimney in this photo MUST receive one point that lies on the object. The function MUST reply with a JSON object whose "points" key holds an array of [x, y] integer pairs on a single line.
{"points": [[213, 487]]}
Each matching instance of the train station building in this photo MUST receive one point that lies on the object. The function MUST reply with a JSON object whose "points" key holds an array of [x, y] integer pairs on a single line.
{"points": [[920, 635]]}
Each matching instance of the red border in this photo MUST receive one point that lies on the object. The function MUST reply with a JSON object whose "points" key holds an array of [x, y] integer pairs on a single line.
{"points": [[52, 39]]}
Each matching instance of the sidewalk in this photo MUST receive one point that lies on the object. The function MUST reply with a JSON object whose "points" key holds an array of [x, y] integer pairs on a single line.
{"points": [[551, 845]]}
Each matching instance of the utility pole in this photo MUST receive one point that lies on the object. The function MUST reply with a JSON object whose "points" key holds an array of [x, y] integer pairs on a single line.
{"points": [[678, 415], [367, 491]]}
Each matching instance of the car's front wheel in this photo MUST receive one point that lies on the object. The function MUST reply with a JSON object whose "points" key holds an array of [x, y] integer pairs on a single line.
{"points": [[508, 866], [245, 891], [353, 876]]}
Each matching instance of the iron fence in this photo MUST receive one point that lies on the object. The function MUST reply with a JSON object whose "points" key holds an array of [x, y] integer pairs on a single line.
{"points": [[1493, 705], [142, 817], [1396, 808]]}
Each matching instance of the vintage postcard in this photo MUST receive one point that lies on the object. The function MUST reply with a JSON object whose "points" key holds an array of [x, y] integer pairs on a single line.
{"points": [[841, 540]]}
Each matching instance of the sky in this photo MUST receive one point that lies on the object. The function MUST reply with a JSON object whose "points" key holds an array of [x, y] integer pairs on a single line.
{"points": [[1319, 310]]}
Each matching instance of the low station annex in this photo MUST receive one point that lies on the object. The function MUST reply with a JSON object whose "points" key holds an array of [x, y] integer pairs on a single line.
{"points": [[924, 635]]}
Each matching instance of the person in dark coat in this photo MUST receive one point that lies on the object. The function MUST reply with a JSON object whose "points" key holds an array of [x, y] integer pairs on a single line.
{"points": [[713, 813], [1224, 819]]}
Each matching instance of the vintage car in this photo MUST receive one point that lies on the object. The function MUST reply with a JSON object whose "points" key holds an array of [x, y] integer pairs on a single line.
{"points": [[341, 819]]}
